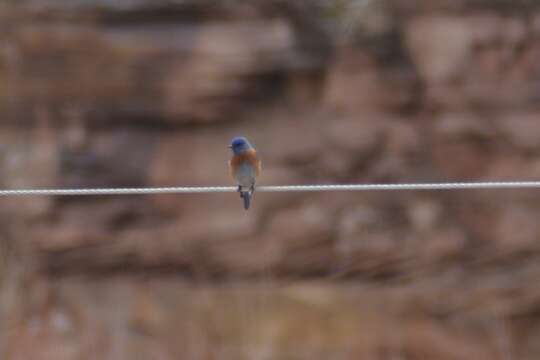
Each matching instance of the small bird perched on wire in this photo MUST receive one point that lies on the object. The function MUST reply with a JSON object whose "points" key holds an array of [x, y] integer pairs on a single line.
{"points": [[244, 166]]}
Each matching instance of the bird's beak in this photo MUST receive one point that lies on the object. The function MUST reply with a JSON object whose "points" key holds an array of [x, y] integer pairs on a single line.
{"points": [[229, 146]]}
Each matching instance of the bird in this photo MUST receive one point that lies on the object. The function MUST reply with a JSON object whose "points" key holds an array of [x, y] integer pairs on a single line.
{"points": [[244, 167]]}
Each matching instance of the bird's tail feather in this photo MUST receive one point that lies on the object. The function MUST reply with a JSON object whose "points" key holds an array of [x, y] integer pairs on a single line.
{"points": [[247, 199]]}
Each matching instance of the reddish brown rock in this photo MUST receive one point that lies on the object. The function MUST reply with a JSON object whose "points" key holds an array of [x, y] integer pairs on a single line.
{"points": [[149, 93], [440, 47]]}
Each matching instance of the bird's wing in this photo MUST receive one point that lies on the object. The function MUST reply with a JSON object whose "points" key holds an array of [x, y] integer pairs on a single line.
{"points": [[258, 168], [251, 157]]}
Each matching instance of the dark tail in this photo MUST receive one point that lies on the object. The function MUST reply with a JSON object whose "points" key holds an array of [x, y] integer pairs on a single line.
{"points": [[247, 199]]}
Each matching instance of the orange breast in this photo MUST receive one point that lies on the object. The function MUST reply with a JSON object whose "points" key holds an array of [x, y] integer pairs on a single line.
{"points": [[249, 157]]}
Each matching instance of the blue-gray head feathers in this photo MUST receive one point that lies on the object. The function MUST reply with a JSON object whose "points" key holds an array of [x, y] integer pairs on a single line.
{"points": [[239, 145]]}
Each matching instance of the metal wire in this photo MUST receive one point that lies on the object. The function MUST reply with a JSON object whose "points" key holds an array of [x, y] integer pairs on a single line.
{"points": [[224, 189]]}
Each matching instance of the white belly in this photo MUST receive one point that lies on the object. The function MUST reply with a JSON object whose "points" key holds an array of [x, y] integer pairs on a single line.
{"points": [[245, 176]]}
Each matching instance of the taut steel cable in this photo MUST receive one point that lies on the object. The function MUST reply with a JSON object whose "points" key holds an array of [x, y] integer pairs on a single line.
{"points": [[284, 188]]}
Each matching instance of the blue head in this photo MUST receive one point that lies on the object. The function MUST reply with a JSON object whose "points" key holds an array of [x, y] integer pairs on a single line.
{"points": [[239, 145]]}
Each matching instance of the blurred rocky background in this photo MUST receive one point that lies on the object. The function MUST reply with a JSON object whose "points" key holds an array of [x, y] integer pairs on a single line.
{"points": [[110, 93]]}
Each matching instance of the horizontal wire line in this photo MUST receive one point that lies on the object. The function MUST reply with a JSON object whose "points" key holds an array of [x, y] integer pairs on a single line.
{"points": [[225, 189]]}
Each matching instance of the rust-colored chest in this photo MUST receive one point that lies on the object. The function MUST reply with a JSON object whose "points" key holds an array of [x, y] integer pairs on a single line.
{"points": [[249, 157]]}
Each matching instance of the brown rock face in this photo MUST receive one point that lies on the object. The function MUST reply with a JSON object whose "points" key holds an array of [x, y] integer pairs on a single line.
{"points": [[99, 93]]}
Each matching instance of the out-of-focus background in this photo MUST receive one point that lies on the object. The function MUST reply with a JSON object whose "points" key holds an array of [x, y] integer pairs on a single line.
{"points": [[122, 93]]}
